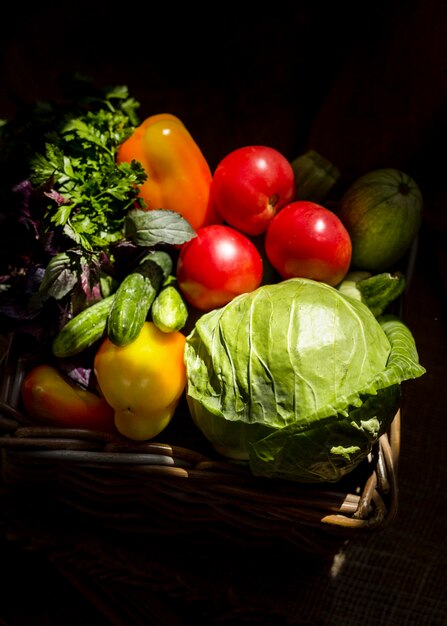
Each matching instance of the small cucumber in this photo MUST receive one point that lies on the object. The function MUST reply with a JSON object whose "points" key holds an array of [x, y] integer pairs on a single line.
{"points": [[380, 290], [169, 311], [83, 330], [314, 176], [134, 298], [376, 291]]}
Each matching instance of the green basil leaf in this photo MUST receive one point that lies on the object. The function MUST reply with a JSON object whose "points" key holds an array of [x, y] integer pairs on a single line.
{"points": [[149, 228]]}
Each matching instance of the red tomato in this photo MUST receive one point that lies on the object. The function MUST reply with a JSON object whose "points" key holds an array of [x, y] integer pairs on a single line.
{"points": [[217, 265], [250, 185], [307, 240]]}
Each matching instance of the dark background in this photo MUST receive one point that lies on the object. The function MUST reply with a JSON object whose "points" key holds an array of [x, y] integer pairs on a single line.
{"points": [[366, 85]]}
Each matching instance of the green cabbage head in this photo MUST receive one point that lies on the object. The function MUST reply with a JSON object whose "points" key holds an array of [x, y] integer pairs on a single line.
{"points": [[297, 379]]}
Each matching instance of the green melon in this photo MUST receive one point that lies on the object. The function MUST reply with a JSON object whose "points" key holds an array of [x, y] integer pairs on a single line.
{"points": [[382, 211]]}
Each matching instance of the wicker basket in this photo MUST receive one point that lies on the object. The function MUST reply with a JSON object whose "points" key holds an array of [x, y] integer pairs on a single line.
{"points": [[178, 487]]}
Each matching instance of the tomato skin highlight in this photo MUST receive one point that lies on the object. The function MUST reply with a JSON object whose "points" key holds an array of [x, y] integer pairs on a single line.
{"points": [[309, 241], [250, 185], [219, 264], [52, 399]]}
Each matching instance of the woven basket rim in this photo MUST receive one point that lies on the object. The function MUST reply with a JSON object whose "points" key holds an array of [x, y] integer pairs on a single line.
{"points": [[345, 507]]}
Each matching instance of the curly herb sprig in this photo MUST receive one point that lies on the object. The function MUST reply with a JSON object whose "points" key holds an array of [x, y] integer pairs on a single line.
{"points": [[88, 192]]}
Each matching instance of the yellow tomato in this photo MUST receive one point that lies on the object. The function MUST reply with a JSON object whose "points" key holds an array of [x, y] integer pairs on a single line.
{"points": [[142, 381]]}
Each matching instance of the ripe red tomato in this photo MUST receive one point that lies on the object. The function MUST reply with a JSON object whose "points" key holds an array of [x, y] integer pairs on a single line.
{"points": [[217, 265], [310, 241], [250, 185]]}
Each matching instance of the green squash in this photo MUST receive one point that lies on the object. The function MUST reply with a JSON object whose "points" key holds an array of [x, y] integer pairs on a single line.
{"points": [[382, 211]]}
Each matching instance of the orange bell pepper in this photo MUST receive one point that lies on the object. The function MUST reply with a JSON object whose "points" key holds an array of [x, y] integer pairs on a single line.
{"points": [[178, 175], [52, 399]]}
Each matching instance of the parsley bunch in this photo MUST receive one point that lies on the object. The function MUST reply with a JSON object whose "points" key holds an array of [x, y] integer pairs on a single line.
{"points": [[88, 192]]}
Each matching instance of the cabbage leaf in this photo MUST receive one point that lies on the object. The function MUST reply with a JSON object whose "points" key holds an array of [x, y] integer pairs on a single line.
{"points": [[297, 379]]}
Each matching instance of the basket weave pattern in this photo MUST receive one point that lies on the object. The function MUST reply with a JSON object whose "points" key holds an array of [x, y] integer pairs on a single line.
{"points": [[174, 489]]}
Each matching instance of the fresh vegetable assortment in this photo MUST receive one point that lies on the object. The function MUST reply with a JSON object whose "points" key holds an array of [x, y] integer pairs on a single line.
{"points": [[149, 277]]}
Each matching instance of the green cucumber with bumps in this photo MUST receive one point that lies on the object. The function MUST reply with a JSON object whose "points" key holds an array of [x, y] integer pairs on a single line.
{"points": [[134, 297], [377, 291], [83, 330], [315, 176], [169, 311]]}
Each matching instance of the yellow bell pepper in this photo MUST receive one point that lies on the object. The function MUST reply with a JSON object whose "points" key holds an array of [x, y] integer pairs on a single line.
{"points": [[143, 381], [178, 175]]}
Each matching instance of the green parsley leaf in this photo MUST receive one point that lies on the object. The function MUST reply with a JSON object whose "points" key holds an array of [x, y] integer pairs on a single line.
{"points": [[88, 192]]}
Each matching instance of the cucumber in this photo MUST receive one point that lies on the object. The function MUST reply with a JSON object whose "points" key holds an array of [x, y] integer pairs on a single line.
{"points": [[314, 176], [83, 330], [381, 290], [169, 311], [376, 291], [134, 298]]}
